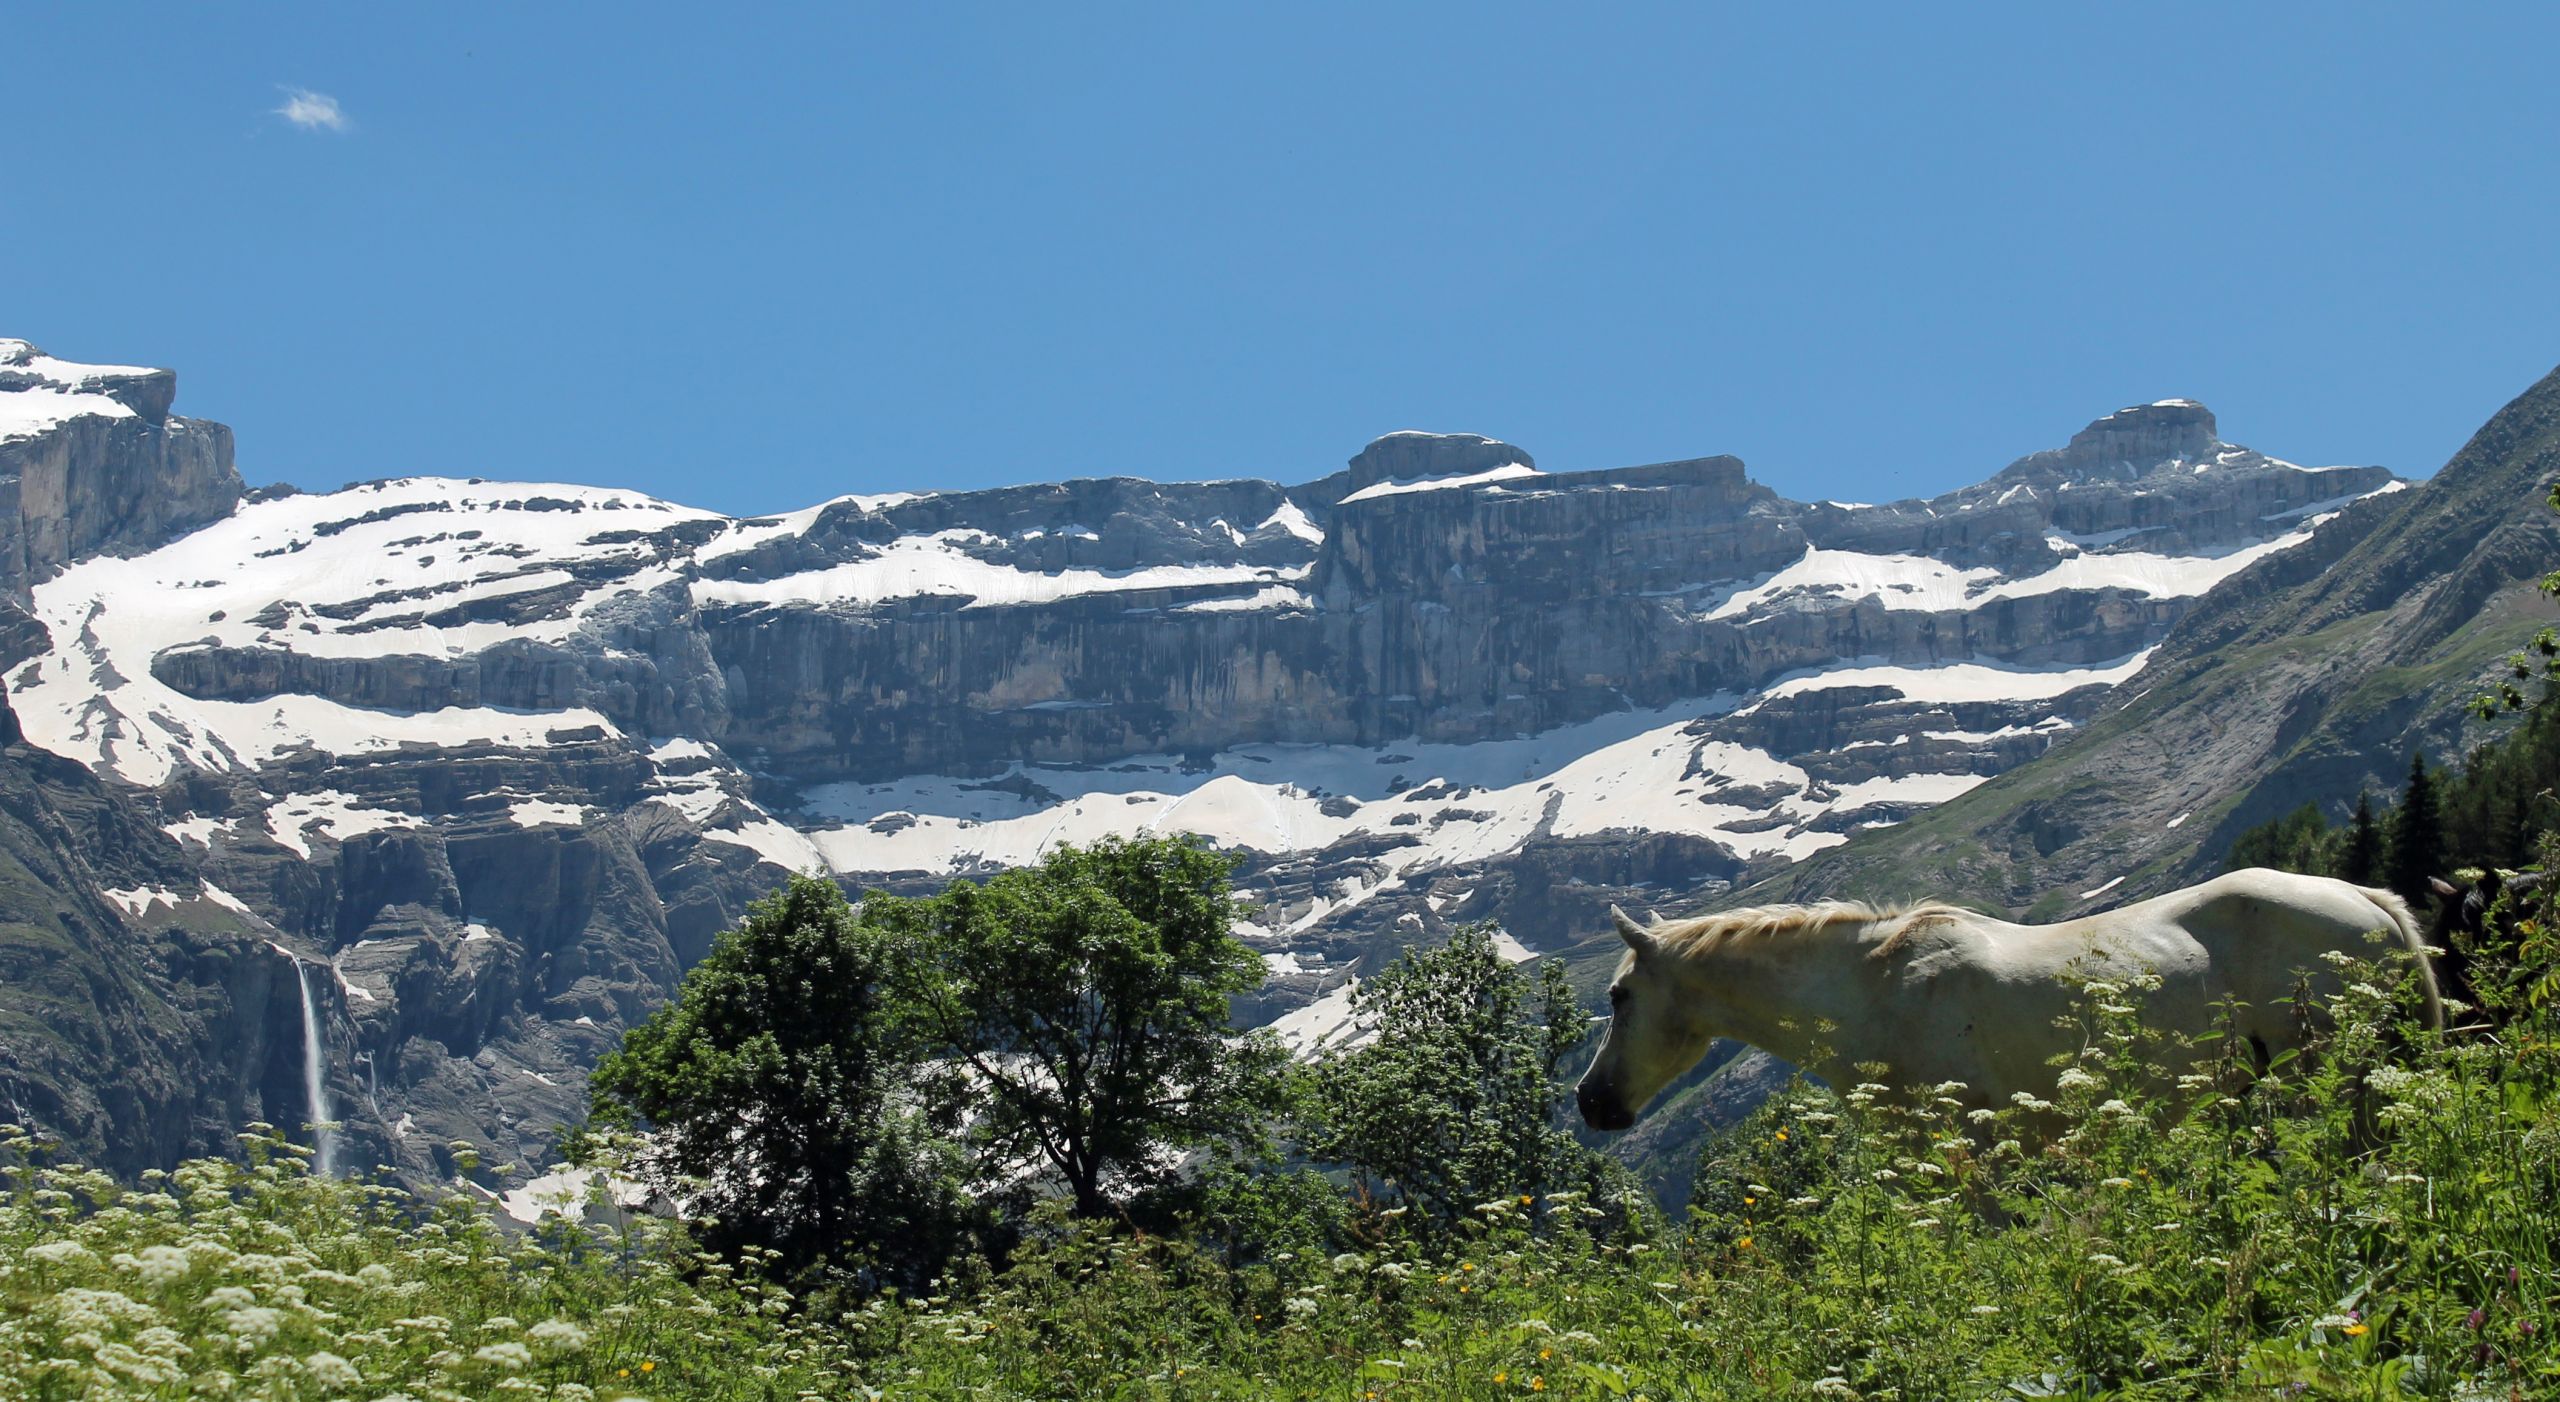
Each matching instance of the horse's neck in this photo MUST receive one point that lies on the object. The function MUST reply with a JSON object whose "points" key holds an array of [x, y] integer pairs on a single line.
{"points": [[1808, 998]]}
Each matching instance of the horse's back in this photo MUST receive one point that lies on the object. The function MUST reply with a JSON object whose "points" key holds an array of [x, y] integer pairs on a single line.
{"points": [[2266, 933]]}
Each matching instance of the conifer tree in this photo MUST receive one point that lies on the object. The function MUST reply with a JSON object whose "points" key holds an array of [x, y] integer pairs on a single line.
{"points": [[2361, 861], [2417, 834]]}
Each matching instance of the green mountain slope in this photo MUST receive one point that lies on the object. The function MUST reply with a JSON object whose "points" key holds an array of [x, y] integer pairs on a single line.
{"points": [[2306, 677]]}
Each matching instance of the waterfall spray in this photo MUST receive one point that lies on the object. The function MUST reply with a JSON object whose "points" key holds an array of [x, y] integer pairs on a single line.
{"points": [[315, 1092]]}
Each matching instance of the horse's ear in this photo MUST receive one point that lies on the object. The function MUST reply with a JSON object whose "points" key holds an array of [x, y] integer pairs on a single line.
{"points": [[1638, 938], [2443, 887]]}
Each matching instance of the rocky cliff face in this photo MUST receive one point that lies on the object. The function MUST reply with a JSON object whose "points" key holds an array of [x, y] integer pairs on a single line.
{"points": [[503, 758], [92, 462]]}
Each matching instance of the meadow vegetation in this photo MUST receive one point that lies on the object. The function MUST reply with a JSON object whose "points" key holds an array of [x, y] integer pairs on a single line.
{"points": [[2376, 1217]]}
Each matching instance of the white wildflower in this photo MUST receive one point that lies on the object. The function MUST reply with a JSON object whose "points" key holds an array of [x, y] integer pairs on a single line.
{"points": [[506, 1355], [252, 1324], [554, 1337], [82, 1308], [60, 1253], [329, 1370]]}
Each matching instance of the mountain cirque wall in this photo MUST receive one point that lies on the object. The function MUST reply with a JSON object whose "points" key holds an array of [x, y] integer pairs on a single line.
{"points": [[2303, 681], [504, 757]]}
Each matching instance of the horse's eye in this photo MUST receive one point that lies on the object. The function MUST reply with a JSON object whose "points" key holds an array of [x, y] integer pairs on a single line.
{"points": [[1617, 997]]}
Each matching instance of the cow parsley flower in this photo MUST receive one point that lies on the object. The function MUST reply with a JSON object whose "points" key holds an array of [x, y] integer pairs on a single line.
{"points": [[509, 1355], [329, 1370], [60, 1253], [556, 1336]]}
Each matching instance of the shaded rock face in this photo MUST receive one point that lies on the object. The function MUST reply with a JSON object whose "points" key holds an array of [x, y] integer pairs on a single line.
{"points": [[140, 1022], [97, 482], [504, 759]]}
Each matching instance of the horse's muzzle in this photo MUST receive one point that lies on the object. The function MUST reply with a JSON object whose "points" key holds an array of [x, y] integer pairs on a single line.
{"points": [[1601, 1107]]}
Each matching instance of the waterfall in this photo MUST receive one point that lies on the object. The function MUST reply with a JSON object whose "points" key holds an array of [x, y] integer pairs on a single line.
{"points": [[315, 1091]]}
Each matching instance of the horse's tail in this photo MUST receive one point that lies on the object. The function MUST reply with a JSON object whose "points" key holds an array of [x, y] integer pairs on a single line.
{"points": [[2405, 922]]}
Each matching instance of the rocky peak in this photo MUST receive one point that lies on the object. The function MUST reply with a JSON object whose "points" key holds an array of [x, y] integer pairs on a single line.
{"points": [[91, 462], [39, 384], [2127, 444], [1411, 455]]}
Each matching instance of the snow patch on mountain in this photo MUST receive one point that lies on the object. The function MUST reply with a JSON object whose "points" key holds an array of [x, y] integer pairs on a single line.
{"points": [[1505, 473], [931, 565]]}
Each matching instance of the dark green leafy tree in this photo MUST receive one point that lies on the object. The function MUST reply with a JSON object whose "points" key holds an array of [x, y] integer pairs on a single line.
{"points": [[1455, 1101], [2417, 835], [1089, 997], [788, 1096], [2360, 858]]}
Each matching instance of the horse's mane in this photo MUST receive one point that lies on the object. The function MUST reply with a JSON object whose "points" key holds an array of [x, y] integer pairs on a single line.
{"points": [[1706, 934]]}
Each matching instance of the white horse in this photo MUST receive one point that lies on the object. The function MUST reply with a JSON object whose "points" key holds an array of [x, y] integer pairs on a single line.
{"points": [[1938, 993]]}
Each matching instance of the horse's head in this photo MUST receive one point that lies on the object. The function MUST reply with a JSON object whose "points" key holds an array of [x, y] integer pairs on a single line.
{"points": [[1655, 1032]]}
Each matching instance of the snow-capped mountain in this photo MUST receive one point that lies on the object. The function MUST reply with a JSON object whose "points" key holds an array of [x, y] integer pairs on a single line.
{"points": [[504, 756]]}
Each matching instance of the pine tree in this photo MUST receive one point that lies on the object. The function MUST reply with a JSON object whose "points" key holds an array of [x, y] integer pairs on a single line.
{"points": [[2417, 834], [2361, 862]]}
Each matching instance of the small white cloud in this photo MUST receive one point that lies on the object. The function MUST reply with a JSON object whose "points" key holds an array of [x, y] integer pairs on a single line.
{"points": [[312, 111]]}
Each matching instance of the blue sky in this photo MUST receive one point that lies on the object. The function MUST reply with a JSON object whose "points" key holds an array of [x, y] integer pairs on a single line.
{"points": [[751, 261]]}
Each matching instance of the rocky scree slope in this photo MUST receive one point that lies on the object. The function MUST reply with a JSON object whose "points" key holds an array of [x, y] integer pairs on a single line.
{"points": [[502, 758], [2310, 678]]}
